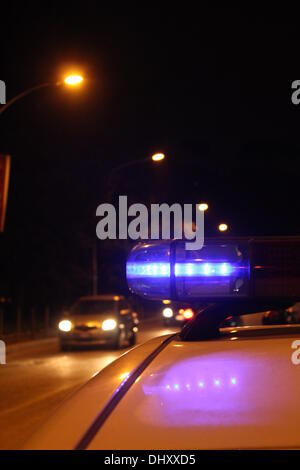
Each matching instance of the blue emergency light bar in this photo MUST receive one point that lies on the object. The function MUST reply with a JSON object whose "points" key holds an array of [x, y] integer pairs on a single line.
{"points": [[257, 267], [140, 269], [166, 269]]}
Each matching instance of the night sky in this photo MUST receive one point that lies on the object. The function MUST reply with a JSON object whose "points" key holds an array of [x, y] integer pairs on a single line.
{"points": [[210, 88]]}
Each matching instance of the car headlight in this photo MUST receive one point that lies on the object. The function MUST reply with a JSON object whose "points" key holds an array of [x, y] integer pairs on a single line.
{"points": [[65, 325], [109, 324], [167, 312]]}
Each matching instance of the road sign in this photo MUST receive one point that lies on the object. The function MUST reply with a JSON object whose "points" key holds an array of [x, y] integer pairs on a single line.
{"points": [[4, 181]]}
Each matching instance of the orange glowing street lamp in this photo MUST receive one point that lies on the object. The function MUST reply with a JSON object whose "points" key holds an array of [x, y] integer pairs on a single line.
{"points": [[158, 157], [71, 80], [223, 227], [203, 206]]}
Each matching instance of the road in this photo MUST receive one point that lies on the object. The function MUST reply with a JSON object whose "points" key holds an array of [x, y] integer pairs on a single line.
{"points": [[38, 376]]}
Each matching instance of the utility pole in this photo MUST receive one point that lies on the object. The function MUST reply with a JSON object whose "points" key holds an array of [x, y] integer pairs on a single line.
{"points": [[95, 268]]}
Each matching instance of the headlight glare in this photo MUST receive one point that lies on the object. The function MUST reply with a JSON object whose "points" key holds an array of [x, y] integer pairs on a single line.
{"points": [[167, 312], [109, 324], [65, 325]]}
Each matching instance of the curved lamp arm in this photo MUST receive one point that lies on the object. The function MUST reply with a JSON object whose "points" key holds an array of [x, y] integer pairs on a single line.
{"points": [[126, 164], [25, 93]]}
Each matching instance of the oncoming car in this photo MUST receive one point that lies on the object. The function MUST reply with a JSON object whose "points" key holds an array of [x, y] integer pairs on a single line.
{"points": [[206, 387], [98, 320], [176, 314]]}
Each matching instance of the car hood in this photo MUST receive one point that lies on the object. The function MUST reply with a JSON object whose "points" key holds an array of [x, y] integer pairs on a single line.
{"points": [[91, 319], [225, 394], [66, 426], [237, 392]]}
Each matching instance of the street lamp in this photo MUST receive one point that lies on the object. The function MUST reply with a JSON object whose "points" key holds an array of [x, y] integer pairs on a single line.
{"points": [[223, 227], [157, 157], [71, 80], [203, 206]]}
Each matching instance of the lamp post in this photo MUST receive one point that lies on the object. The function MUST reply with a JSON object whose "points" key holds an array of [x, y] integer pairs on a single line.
{"points": [[70, 81], [156, 157]]}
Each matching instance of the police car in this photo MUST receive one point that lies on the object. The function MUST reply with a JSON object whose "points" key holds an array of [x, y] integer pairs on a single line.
{"points": [[206, 387]]}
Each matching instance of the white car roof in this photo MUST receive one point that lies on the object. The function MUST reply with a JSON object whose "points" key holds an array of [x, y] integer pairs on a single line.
{"points": [[234, 392]]}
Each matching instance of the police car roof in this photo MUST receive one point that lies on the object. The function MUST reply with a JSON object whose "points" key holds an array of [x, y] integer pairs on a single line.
{"points": [[171, 394]]}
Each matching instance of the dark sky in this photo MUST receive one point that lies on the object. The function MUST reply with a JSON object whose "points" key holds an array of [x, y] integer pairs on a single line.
{"points": [[211, 88]]}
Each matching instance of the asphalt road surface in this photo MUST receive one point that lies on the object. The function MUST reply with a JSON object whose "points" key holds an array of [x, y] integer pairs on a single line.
{"points": [[38, 376]]}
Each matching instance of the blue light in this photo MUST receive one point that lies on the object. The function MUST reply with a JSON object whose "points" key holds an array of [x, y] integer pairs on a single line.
{"points": [[181, 269], [162, 269], [134, 270], [203, 269]]}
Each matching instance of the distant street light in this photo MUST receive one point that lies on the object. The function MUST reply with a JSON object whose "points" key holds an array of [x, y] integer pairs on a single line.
{"points": [[157, 157], [203, 207], [223, 227], [71, 81]]}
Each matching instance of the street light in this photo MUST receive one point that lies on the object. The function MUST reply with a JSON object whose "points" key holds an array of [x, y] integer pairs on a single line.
{"points": [[203, 206], [223, 227], [157, 157], [71, 80]]}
